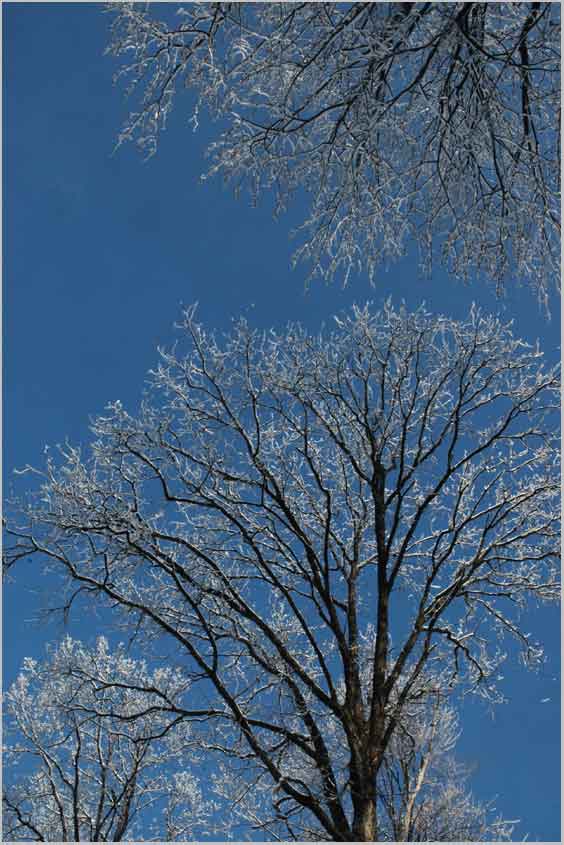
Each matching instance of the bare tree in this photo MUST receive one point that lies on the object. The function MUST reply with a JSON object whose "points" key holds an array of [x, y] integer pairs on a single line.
{"points": [[326, 528], [427, 123], [97, 741], [421, 789]]}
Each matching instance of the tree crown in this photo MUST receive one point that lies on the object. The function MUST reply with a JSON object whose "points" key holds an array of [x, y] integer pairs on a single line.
{"points": [[433, 124], [326, 528]]}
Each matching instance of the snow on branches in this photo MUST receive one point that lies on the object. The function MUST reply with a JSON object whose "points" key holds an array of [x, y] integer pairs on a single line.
{"points": [[426, 123], [327, 529]]}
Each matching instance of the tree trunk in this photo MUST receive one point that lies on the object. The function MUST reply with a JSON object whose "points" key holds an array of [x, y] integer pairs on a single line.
{"points": [[364, 825]]}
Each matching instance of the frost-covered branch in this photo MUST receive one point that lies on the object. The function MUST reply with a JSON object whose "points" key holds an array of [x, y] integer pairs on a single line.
{"points": [[427, 123], [96, 746], [324, 529]]}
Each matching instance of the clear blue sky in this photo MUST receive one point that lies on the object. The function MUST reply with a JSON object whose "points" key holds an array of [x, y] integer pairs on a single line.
{"points": [[100, 251]]}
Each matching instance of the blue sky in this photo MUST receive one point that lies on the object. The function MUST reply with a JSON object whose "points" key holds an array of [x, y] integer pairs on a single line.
{"points": [[100, 251]]}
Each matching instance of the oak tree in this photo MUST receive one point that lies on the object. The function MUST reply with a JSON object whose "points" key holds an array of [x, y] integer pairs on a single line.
{"points": [[324, 530]]}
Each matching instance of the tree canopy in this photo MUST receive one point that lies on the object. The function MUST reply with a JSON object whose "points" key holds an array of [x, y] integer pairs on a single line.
{"points": [[428, 124], [325, 530], [96, 751]]}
